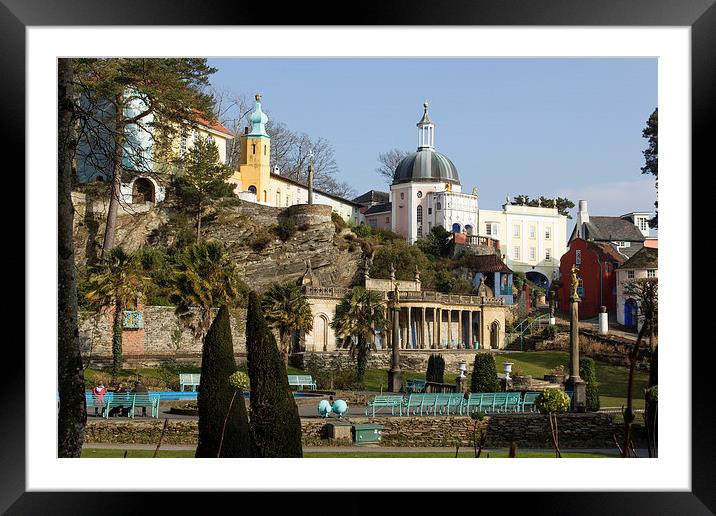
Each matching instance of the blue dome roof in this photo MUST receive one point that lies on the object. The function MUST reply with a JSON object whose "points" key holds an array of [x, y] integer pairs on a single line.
{"points": [[426, 165]]}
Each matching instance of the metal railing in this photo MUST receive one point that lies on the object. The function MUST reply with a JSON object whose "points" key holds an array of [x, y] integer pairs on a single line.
{"points": [[527, 326]]}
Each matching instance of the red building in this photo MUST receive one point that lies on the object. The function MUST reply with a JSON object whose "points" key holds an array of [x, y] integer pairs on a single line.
{"points": [[596, 262]]}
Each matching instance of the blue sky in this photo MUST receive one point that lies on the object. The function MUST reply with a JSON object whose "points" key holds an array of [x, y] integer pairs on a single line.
{"points": [[553, 127]]}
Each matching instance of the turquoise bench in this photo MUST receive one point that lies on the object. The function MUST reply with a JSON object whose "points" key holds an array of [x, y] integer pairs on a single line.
{"points": [[450, 403], [415, 385], [94, 401], [384, 400], [528, 402], [493, 402], [142, 400], [189, 380], [301, 380], [129, 402]]}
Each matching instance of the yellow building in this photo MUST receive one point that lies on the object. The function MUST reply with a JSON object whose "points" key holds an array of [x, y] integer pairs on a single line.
{"points": [[255, 182]]}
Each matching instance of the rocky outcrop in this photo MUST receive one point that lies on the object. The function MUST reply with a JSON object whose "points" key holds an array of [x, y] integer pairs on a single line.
{"points": [[250, 232]]}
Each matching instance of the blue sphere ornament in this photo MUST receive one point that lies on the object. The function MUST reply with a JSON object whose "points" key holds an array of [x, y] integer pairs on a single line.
{"points": [[340, 407], [324, 408]]}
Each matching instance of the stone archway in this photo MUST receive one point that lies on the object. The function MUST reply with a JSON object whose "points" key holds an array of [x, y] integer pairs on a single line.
{"points": [[456, 228], [320, 333], [143, 191], [495, 335]]}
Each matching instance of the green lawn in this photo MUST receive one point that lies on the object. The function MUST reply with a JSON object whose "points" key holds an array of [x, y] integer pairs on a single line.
{"points": [[612, 379], [105, 453]]}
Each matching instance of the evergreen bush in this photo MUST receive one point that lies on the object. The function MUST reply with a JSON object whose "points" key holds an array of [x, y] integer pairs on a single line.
{"points": [[436, 369], [484, 374], [216, 393], [588, 373], [275, 424], [286, 229]]}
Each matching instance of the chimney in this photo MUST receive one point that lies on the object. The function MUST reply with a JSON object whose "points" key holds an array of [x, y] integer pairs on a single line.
{"points": [[246, 130], [582, 217]]}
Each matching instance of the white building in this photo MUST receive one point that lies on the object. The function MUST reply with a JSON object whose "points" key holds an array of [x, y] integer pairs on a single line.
{"points": [[532, 238]]}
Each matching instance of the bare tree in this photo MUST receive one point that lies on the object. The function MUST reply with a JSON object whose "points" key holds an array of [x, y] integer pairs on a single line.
{"points": [[388, 161]]}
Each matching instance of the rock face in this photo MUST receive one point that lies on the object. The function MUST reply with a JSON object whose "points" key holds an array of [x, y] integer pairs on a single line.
{"points": [[250, 232], [251, 238]]}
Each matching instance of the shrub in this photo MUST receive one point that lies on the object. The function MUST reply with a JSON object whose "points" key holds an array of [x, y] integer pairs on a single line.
{"points": [[275, 424], [552, 401], [445, 282], [286, 229], [240, 380], [216, 394], [362, 230], [549, 332], [436, 369], [588, 373], [259, 241], [338, 221], [484, 374]]}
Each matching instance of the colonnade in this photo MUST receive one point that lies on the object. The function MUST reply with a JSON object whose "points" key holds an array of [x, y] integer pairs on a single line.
{"points": [[431, 327]]}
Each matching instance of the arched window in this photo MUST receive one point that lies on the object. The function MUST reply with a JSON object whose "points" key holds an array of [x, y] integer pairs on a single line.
{"points": [[252, 189], [253, 148]]}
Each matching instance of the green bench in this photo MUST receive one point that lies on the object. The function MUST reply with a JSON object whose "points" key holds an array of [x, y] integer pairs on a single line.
{"points": [[301, 380], [189, 380], [386, 400], [444, 403], [129, 402], [415, 386], [142, 400], [493, 402], [528, 402], [94, 401]]}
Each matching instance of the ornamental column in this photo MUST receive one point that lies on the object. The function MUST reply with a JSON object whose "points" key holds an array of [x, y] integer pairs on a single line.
{"points": [[395, 375], [574, 383], [460, 330], [469, 329]]}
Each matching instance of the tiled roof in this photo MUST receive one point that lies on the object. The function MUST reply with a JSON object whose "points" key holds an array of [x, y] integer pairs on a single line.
{"points": [[612, 229], [372, 197], [645, 258], [216, 126], [607, 252], [484, 263], [379, 208]]}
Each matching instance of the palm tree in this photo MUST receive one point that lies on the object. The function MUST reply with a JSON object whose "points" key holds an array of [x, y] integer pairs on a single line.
{"points": [[205, 278], [358, 313], [117, 283], [285, 307]]}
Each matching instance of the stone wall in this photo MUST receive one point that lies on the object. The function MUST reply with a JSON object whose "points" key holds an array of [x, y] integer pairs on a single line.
{"points": [[410, 360], [163, 337], [590, 430]]}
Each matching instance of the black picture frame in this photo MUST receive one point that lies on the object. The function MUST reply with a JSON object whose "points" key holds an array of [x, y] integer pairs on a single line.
{"points": [[699, 15]]}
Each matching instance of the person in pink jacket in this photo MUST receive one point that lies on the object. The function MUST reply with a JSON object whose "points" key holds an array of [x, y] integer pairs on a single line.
{"points": [[98, 392]]}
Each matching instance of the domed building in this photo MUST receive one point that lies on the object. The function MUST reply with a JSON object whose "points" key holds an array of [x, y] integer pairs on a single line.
{"points": [[426, 191]]}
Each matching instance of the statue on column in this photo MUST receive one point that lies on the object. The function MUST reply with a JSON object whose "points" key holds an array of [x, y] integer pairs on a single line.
{"points": [[416, 274], [392, 272], [575, 283]]}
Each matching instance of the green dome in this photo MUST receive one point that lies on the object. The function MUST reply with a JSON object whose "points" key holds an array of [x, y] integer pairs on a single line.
{"points": [[258, 120]]}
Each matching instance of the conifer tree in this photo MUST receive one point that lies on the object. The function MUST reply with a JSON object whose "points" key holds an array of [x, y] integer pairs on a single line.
{"points": [[275, 424], [484, 374], [588, 373], [223, 422], [436, 369]]}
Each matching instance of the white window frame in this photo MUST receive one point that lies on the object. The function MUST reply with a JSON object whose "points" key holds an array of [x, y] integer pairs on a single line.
{"points": [[548, 233], [533, 253], [533, 231], [630, 274], [516, 230], [651, 273], [578, 257], [516, 252], [547, 255]]}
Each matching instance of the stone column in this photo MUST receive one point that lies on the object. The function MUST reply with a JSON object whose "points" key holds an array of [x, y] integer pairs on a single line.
{"points": [[424, 333], [395, 375], [460, 330], [574, 383], [435, 327], [469, 329], [450, 328], [409, 340], [439, 339]]}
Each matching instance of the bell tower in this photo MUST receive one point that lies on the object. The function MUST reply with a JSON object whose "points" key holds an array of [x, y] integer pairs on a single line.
{"points": [[254, 169]]}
